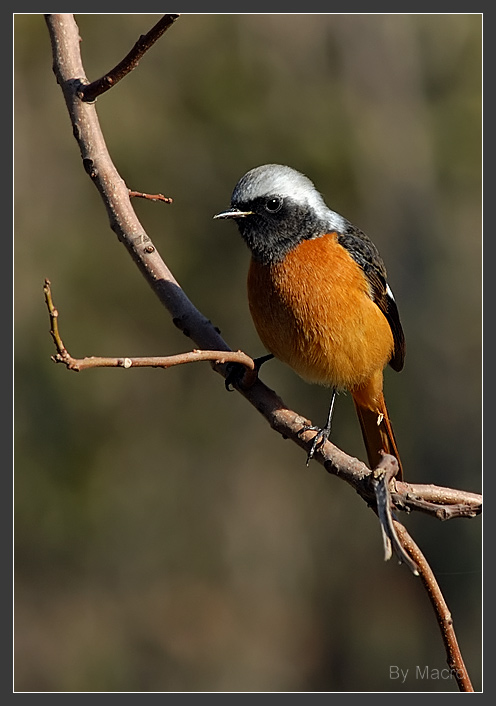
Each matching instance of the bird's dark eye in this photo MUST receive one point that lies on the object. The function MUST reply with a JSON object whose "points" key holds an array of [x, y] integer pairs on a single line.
{"points": [[273, 205]]}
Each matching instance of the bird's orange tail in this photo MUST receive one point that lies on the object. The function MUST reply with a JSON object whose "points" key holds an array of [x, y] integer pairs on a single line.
{"points": [[376, 426]]}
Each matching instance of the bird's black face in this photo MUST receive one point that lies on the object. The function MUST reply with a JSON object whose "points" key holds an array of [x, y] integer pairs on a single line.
{"points": [[273, 225], [276, 208]]}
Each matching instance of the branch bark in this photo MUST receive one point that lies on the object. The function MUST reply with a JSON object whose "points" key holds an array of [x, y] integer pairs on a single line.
{"points": [[443, 502]]}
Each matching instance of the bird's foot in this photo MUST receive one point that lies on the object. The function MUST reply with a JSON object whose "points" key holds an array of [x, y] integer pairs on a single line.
{"points": [[319, 439], [323, 433]]}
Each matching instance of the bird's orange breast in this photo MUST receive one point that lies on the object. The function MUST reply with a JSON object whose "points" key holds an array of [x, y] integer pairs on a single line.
{"points": [[314, 312]]}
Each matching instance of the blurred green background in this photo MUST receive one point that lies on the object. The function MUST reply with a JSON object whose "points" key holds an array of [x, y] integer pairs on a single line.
{"points": [[165, 538]]}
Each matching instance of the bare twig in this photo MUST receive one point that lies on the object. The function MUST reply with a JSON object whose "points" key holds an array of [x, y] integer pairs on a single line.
{"points": [[150, 197], [444, 503], [91, 91], [124, 222], [443, 615], [54, 322], [168, 361]]}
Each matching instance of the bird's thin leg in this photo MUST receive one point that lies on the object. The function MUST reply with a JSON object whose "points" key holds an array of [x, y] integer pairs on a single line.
{"points": [[322, 434]]}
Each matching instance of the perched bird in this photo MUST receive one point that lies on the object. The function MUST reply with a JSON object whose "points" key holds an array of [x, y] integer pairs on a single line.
{"points": [[318, 296]]}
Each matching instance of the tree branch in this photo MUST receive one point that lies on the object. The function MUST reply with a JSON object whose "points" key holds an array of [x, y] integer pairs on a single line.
{"points": [[91, 91], [443, 615], [441, 502]]}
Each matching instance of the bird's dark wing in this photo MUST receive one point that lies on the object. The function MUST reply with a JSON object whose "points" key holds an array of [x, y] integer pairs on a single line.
{"points": [[365, 254]]}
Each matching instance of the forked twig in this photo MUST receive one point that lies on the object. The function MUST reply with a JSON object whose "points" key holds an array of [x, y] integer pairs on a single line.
{"points": [[194, 356]]}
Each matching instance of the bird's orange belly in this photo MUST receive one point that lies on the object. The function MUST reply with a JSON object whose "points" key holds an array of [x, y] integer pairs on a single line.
{"points": [[313, 311]]}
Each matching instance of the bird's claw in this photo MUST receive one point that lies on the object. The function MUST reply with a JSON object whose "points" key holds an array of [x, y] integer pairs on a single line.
{"points": [[235, 372], [319, 439]]}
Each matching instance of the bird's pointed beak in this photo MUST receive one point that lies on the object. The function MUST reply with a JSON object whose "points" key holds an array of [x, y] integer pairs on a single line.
{"points": [[233, 213]]}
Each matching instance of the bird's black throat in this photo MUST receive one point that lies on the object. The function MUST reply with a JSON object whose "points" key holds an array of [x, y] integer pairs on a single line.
{"points": [[271, 236]]}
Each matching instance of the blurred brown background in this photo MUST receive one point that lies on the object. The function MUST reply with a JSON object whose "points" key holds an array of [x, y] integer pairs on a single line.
{"points": [[166, 539]]}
